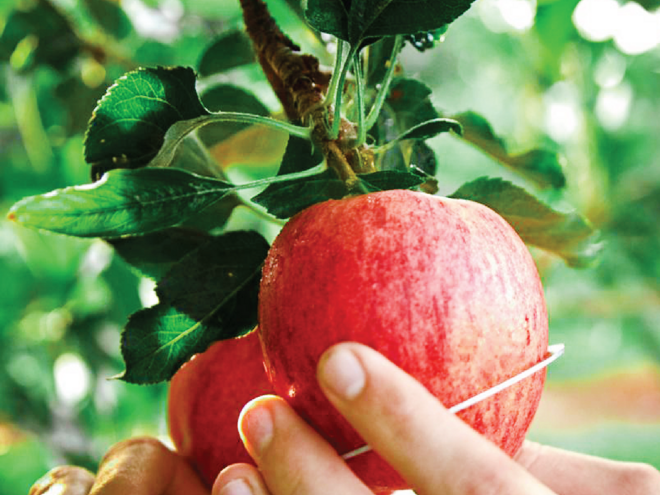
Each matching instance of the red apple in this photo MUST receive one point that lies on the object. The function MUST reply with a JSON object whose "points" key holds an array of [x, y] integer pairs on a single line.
{"points": [[444, 288], [206, 397]]}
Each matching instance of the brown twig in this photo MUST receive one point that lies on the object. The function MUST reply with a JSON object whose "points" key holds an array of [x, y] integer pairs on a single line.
{"points": [[300, 86], [295, 78]]}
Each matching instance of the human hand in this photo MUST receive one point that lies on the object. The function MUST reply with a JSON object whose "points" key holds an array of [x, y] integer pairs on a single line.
{"points": [[431, 448], [139, 466]]}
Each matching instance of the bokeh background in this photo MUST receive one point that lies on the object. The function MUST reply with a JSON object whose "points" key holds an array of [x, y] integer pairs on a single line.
{"points": [[578, 77]]}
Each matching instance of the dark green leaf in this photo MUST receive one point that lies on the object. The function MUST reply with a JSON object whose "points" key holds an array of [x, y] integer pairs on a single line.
{"points": [[362, 15], [410, 101], [123, 202], [649, 5], [110, 16], [389, 18], [431, 128], [329, 16], [413, 16], [354, 21], [478, 131], [227, 52], [129, 124], [392, 179], [216, 270], [293, 196], [228, 98], [567, 234], [210, 295], [423, 158], [540, 166], [154, 254]]}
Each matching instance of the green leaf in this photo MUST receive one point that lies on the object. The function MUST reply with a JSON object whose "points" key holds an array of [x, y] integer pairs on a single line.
{"points": [[423, 158], [154, 254], [294, 196], [566, 234], [410, 101], [123, 202], [110, 16], [540, 166], [329, 16], [355, 21], [361, 16], [413, 16], [210, 295], [227, 52], [430, 128], [129, 124], [393, 179]]}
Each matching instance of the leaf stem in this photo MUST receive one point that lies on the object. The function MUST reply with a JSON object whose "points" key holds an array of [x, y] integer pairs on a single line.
{"points": [[359, 82], [385, 84], [336, 121], [283, 178], [248, 118], [261, 212], [336, 74]]}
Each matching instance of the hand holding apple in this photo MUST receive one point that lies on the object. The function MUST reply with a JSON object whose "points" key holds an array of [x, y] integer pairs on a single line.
{"points": [[431, 448], [444, 288]]}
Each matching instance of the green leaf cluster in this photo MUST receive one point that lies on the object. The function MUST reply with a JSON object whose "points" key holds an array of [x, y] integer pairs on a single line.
{"points": [[167, 205], [356, 21]]}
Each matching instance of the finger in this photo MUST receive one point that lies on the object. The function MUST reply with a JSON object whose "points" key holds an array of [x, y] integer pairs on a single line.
{"points": [[144, 466], [240, 479], [291, 456], [65, 480], [432, 449], [570, 473]]}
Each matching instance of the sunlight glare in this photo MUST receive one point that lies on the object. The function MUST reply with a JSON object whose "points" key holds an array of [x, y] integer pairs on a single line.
{"points": [[147, 292], [610, 69], [502, 16], [519, 14], [563, 119], [596, 20], [637, 30], [72, 378], [613, 106]]}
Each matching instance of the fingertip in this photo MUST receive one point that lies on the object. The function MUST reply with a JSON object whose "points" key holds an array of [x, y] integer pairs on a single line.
{"points": [[239, 479], [341, 372], [256, 425], [67, 480]]}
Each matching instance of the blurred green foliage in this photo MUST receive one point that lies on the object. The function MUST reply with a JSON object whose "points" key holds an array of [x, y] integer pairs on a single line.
{"points": [[538, 82]]}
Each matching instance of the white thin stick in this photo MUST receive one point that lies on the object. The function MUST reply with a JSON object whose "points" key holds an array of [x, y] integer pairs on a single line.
{"points": [[555, 352]]}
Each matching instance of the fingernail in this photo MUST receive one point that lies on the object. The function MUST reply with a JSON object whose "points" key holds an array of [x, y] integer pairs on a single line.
{"points": [[256, 427], [236, 487], [341, 372]]}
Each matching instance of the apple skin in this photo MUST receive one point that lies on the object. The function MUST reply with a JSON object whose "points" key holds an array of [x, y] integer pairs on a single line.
{"points": [[442, 287], [205, 399]]}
